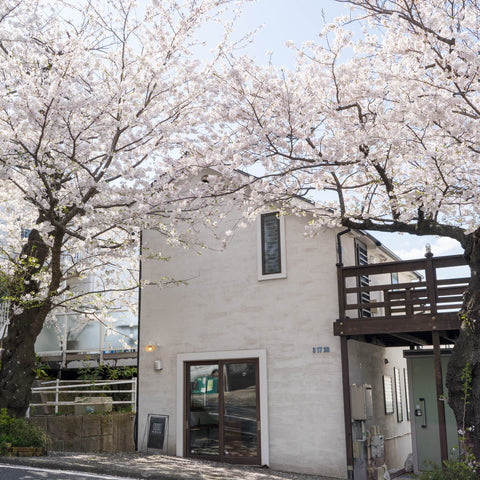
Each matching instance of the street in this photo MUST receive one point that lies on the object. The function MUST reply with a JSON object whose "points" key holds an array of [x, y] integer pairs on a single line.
{"points": [[14, 472]]}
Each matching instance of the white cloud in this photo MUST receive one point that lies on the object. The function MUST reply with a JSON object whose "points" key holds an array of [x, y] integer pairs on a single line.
{"points": [[411, 246]]}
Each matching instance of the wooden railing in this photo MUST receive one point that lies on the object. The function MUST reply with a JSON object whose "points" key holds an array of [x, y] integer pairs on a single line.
{"points": [[407, 296]]}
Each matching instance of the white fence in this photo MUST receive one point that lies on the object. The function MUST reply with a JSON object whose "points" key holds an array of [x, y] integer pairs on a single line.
{"points": [[90, 393]]}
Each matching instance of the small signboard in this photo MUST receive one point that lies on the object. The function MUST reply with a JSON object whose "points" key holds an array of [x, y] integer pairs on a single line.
{"points": [[157, 431]]}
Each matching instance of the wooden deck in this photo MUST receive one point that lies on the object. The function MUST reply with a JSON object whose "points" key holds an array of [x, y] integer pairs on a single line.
{"points": [[404, 302]]}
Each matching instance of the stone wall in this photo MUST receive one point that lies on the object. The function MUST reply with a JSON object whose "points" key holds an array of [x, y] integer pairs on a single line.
{"points": [[89, 433]]}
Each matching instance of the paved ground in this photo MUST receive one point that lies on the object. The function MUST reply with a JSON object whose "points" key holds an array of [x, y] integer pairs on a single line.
{"points": [[154, 467], [157, 467], [23, 472]]}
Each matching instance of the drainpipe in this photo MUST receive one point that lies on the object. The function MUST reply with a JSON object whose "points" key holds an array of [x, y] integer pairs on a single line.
{"points": [[136, 426], [347, 410], [339, 246]]}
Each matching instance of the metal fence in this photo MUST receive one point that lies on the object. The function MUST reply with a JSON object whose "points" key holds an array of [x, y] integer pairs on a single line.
{"points": [[70, 396]]}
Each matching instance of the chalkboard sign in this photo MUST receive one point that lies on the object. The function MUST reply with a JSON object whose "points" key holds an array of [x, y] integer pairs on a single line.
{"points": [[157, 431]]}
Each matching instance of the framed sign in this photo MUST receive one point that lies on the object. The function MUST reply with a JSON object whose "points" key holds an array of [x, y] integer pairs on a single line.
{"points": [[388, 394], [398, 394], [156, 432], [407, 393]]}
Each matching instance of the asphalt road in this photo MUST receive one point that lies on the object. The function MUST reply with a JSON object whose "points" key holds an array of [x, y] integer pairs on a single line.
{"points": [[12, 472]]}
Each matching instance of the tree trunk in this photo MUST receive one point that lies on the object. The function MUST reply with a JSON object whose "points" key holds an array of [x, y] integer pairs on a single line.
{"points": [[18, 360], [463, 374], [18, 354]]}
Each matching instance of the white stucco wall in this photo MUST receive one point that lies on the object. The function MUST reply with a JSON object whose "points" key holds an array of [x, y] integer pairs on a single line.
{"points": [[224, 307]]}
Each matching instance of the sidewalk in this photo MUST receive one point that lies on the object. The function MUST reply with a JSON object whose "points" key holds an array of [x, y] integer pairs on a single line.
{"points": [[155, 467]]}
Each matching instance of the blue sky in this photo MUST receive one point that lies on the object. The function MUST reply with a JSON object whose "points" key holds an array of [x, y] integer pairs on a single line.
{"points": [[300, 21], [284, 20]]}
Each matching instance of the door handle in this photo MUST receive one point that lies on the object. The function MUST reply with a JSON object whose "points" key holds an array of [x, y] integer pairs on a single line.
{"points": [[424, 424]]}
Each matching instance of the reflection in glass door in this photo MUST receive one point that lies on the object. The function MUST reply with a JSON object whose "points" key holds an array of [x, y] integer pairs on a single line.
{"points": [[222, 414], [203, 411]]}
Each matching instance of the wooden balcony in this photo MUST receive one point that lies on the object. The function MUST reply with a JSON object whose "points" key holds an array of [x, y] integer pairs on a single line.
{"points": [[403, 302]]}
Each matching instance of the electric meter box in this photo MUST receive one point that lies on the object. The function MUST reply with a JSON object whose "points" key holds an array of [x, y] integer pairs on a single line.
{"points": [[361, 402]]}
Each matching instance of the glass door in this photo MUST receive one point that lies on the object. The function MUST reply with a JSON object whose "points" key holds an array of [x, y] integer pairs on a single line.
{"points": [[203, 420], [222, 411]]}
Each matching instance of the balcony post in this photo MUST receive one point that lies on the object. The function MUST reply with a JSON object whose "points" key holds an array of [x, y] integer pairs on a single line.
{"points": [[442, 429], [347, 410], [431, 279]]}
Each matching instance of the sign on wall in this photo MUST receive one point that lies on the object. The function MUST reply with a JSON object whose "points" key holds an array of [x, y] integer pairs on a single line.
{"points": [[388, 394]]}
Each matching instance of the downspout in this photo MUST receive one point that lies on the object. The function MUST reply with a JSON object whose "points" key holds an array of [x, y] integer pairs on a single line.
{"points": [[135, 429], [347, 411], [339, 246]]}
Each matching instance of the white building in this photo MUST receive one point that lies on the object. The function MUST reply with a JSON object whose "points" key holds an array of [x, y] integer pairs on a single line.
{"points": [[242, 362], [71, 340]]}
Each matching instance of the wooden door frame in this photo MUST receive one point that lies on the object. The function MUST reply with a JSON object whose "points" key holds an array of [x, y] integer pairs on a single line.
{"points": [[236, 355], [222, 457]]}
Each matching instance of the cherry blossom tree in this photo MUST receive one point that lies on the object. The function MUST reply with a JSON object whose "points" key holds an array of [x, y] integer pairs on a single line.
{"points": [[381, 130], [101, 105]]}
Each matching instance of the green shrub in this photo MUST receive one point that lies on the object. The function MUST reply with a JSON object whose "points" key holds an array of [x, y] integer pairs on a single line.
{"points": [[454, 469], [17, 432]]}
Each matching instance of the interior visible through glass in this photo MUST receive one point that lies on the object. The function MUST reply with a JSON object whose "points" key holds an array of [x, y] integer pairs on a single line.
{"points": [[240, 409], [223, 409], [204, 408]]}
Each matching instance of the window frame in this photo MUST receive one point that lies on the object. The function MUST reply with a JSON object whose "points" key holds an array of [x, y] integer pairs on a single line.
{"points": [[361, 258], [261, 354], [283, 262]]}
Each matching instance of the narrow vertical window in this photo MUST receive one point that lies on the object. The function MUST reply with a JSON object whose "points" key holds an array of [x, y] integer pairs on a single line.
{"points": [[361, 258], [271, 248], [271, 251]]}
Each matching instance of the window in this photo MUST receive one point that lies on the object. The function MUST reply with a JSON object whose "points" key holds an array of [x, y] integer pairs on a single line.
{"points": [[25, 232], [361, 258], [271, 242]]}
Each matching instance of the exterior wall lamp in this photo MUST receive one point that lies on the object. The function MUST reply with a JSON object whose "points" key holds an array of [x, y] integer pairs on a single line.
{"points": [[150, 347]]}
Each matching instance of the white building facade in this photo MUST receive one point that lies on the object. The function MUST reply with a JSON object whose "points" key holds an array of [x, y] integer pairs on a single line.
{"points": [[243, 365]]}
